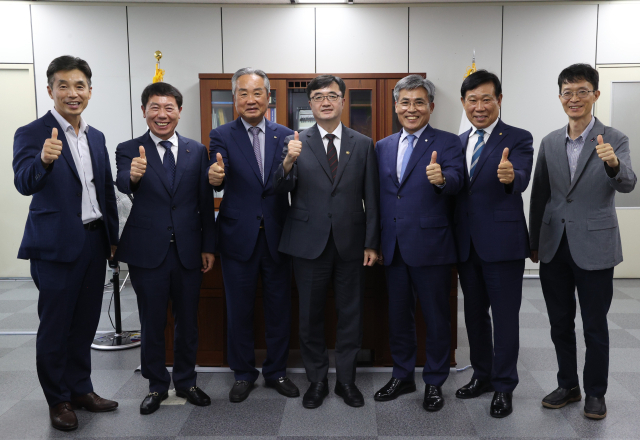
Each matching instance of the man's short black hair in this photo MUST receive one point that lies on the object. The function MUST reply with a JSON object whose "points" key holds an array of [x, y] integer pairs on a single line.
{"points": [[322, 81], [477, 79], [66, 63], [579, 72], [161, 89]]}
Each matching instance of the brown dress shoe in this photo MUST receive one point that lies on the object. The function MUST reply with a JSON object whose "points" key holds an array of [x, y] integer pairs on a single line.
{"points": [[62, 417], [94, 403]]}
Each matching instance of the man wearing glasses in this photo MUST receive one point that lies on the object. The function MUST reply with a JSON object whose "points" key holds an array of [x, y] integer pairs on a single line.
{"points": [[420, 168], [574, 233], [332, 231], [492, 239]]}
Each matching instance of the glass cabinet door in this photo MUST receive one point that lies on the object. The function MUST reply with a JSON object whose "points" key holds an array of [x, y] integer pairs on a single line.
{"points": [[359, 108], [221, 107]]}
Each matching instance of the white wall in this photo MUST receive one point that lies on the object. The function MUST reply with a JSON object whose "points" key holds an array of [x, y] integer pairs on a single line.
{"points": [[618, 40], [15, 33]]}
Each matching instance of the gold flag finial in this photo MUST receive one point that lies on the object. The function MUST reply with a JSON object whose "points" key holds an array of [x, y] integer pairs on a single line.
{"points": [[159, 76], [471, 69]]}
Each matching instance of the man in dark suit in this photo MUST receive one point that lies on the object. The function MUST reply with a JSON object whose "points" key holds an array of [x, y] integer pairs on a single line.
{"points": [[330, 171], [244, 155], [168, 240], [420, 168], [574, 233], [492, 239], [71, 230]]}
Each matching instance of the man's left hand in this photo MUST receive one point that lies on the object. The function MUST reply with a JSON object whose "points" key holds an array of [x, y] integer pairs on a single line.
{"points": [[207, 262], [505, 169], [370, 257], [434, 172], [606, 153]]}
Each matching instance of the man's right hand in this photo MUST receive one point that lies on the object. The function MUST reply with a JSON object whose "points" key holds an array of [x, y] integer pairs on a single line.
{"points": [[51, 150], [138, 166], [293, 151], [534, 256], [216, 171]]}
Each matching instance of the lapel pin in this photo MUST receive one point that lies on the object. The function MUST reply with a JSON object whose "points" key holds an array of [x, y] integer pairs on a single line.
{"points": [[187, 151], [275, 137], [426, 140], [348, 152], [500, 134]]}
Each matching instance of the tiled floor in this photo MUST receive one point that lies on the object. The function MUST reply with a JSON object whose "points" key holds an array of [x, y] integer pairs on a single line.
{"points": [[267, 415]]}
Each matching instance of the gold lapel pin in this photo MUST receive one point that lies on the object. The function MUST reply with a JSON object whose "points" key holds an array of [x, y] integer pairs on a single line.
{"points": [[275, 137], [187, 151], [348, 152], [500, 134]]}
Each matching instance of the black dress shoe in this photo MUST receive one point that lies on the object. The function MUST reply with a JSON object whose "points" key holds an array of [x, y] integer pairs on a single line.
{"points": [[151, 403], [62, 417], [350, 394], [561, 396], [475, 388], [284, 386], [393, 389], [240, 391], [316, 393], [501, 405], [433, 400], [595, 408], [195, 396]]}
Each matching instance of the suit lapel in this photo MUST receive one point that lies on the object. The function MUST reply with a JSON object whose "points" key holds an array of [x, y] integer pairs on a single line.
{"points": [[500, 131], [97, 158], [422, 145], [393, 151], [314, 141], [270, 147], [241, 137], [464, 138], [587, 150], [346, 147], [51, 122], [154, 161], [185, 155]]}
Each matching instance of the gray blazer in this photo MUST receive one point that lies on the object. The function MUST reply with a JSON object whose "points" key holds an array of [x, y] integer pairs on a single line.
{"points": [[584, 206], [347, 206]]}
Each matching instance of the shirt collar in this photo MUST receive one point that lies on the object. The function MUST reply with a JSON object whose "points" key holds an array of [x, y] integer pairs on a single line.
{"points": [[487, 131], [585, 132], [262, 125], [64, 124], [417, 134], [173, 139], [337, 132]]}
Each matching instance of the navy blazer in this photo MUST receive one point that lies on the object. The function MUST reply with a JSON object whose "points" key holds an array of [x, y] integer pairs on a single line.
{"points": [[247, 201], [415, 213], [489, 212], [54, 230], [157, 212]]}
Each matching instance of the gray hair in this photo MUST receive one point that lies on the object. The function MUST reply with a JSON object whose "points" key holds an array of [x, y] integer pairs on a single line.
{"points": [[413, 82], [249, 71]]}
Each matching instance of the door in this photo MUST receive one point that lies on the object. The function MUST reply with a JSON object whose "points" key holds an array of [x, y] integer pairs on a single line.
{"points": [[359, 107]]}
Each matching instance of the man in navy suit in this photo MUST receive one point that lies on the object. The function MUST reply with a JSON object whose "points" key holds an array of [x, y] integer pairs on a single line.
{"points": [[71, 230], [244, 155], [492, 239], [168, 240], [420, 168]]}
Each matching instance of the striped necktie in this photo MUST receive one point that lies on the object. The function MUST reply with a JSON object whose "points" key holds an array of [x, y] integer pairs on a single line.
{"points": [[255, 132], [477, 151]]}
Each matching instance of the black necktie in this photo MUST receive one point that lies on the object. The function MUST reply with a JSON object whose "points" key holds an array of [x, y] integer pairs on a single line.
{"points": [[332, 155], [169, 162]]}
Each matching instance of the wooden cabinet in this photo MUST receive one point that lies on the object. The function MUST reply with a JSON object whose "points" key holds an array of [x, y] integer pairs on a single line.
{"points": [[369, 109]]}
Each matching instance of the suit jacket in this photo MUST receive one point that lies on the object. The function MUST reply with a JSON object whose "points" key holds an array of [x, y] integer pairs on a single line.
{"points": [[248, 201], [584, 206], [414, 213], [491, 213], [158, 211], [54, 230], [320, 205]]}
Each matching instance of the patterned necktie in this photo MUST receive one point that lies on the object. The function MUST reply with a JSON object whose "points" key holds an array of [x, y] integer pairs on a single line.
{"points": [[407, 155], [255, 131], [477, 150], [169, 162], [332, 155]]}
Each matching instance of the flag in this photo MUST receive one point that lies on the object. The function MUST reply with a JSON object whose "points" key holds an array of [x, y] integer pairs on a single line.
{"points": [[159, 76], [465, 124]]}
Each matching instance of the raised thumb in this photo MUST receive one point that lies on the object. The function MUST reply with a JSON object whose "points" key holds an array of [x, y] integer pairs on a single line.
{"points": [[296, 136], [505, 155], [434, 157], [142, 152], [219, 159], [54, 133], [600, 139]]}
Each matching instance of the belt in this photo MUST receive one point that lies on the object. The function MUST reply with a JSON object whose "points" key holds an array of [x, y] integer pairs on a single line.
{"points": [[92, 226]]}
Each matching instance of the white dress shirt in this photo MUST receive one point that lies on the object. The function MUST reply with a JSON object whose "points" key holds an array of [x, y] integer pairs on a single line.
{"points": [[471, 144], [79, 147], [403, 144], [161, 150], [262, 126], [336, 142]]}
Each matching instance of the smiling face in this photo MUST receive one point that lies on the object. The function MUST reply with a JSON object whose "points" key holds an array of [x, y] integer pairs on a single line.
{"points": [[414, 109], [251, 99], [481, 105], [327, 112], [70, 93], [162, 114], [575, 107]]}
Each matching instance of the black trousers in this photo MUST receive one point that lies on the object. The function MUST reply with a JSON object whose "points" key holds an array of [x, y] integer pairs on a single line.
{"points": [[559, 279], [313, 278]]}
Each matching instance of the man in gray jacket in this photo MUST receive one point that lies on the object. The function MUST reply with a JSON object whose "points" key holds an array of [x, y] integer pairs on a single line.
{"points": [[574, 233]]}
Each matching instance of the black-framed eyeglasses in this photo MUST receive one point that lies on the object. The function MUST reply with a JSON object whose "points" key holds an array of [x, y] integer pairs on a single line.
{"points": [[567, 95], [332, 97]]}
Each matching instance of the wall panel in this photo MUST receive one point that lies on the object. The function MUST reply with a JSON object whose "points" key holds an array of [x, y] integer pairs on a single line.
{"points": [[15, 33], [618, 33]]}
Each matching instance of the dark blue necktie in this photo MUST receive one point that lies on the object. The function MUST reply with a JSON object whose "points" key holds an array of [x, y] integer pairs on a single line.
{"points": [[169, 162]]}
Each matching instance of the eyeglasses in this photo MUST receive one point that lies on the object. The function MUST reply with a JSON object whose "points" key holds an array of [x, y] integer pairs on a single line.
{"points": [[567, 95], [332, 97], [418, 105]]}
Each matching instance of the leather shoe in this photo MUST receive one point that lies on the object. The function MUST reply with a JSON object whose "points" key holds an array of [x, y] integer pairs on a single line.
{"points": [[595, 408], [561, 396], [433, 400], [316, 393], [473, 389], [195, 396], [94, 403], [62, 417], [350, 394], [284, 386], [240, 391], [394, 389], [501, 405], [151, 403]]}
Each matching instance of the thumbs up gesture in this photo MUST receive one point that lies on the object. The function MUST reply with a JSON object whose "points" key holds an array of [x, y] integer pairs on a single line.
{"points": [[606, 153], [51, 149], [293, 151], [434, 172], [138, 166], [216, 171], [505, 169]]}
